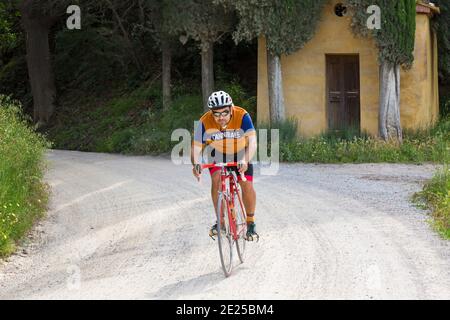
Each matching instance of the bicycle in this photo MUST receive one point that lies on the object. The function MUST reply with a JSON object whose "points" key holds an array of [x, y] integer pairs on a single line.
{"points": [[231, 216]]}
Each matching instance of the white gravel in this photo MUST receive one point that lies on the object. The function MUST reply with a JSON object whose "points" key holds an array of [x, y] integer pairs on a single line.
{"points": [[137, 228]]}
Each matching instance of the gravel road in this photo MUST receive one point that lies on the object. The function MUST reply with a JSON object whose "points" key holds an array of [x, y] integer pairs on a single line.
{"points": [[122, 227]]}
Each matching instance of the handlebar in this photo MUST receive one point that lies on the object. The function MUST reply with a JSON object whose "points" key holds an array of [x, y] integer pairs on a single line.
{"points": [[221, 165]]}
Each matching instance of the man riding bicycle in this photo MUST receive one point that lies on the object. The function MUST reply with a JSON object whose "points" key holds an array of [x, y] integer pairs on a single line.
{"points": [[226, 134]]}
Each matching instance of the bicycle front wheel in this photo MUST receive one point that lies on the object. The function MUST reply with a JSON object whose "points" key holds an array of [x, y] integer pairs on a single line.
{"points": [[225, 240], [241, 226]]}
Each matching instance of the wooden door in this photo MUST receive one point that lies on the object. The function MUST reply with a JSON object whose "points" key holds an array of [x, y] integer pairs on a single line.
{"points": [[343, 95]]}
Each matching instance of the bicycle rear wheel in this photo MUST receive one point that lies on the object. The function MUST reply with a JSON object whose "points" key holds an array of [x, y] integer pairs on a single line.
{"points": [[241, 225], [225, 240]]}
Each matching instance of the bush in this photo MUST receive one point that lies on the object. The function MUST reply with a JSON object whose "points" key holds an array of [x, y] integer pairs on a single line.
{"points": [[240, 97], [133, 122], [287, 129], [103, 58], [436, 196], [351, 146], [445, 105], [154, 136], [23, 195]]}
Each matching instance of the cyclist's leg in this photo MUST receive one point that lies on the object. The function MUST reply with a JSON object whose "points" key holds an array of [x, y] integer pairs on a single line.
{"points": [[215, 177], [215, 185], [249, 199], [248, 193]]}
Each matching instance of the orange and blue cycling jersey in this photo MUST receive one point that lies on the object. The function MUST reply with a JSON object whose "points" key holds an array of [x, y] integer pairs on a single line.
{"points": [[230, 140], [225, 144]]}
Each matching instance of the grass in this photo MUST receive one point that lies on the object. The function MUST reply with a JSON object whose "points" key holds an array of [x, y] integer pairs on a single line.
{"points": [[350, 146], [436, 197], [131, 122], [23, 195], [101, 124], [154, 137]]}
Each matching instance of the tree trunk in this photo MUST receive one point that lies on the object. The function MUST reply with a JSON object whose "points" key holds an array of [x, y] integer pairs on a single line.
{"points": [[276, 97], [389, 114], [207, 71], [166, 73], [39, 64]]}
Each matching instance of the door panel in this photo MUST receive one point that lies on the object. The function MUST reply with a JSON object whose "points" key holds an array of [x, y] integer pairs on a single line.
{"points": [[343, 92]]}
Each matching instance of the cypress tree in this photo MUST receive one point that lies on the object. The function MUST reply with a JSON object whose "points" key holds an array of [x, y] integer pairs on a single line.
{"points": [[287, 26], [441, 25], [395, 39], [206, 22], [395, 42]]}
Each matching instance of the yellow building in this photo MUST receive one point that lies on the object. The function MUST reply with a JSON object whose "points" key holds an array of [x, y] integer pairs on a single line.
{"points": [[333, 82]]}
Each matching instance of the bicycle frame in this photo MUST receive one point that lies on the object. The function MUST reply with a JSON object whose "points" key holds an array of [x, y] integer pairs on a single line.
{"points": [[227, 193], [234, 220]]}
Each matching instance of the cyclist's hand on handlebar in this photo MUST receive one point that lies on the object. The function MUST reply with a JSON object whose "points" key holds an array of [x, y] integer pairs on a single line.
{"points": [[197, 170], [242, 166]]}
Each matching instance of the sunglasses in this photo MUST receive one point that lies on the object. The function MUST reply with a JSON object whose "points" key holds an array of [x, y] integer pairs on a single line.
{"points": [[223, 113]]}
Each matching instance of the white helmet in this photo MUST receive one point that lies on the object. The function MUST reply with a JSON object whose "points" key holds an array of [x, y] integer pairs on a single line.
{"points": [[219, 99]]}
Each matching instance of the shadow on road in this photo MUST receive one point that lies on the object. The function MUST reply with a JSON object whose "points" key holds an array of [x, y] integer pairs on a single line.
{"points": [[198, 285]]}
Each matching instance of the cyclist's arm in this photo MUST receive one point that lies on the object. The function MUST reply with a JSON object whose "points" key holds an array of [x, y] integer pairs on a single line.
{"points": [[250, 136], [250, 150], [198, 144], [196, 152]]}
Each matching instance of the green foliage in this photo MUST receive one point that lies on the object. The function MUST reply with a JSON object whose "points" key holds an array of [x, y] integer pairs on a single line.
{"points": [[395, 39], [13, 67], [419, 146], [51, 7], [102, 53], [287, 25], [14, 78], [89, 58], [442, 27], [154, 137], [239, 95], [96, 123], [132, 122], [348, 134], [163, 18], [8, 36], [23, 196], [436, 197], [287, 129], [204, 21], [444, 108]]}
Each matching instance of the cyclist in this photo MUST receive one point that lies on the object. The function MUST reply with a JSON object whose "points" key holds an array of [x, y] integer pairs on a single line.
{"points": [[226, 134]]}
